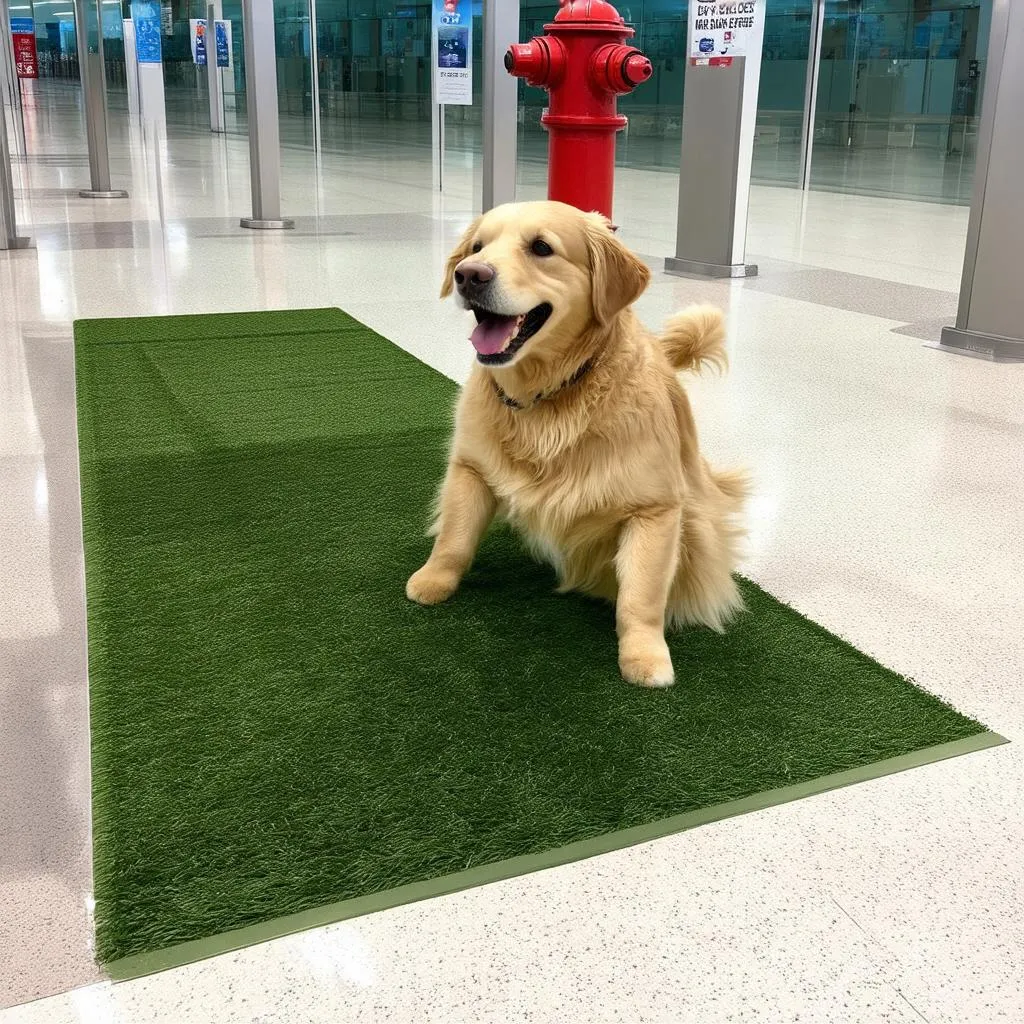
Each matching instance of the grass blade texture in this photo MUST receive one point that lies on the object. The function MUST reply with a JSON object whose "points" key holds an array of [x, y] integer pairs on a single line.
{"points": [[275, 728]]}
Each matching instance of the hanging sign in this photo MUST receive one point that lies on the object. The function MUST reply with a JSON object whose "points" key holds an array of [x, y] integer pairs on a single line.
{"points": [[222, 38], [453, 45], [23, 38], [146, 16], [723, 29], [197, 29]]}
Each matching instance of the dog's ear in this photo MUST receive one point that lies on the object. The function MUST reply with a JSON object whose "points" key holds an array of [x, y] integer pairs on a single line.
{"points": [[459, 253], [617, 277]]}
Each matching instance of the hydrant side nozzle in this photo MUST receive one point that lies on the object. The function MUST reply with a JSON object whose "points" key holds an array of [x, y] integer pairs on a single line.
{"points": [[541, 61], [638, 69], [619, 68]]}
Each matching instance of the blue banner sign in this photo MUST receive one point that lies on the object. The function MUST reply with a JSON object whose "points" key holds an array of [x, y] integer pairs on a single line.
{"points": [[146, 16], [222, 33]]}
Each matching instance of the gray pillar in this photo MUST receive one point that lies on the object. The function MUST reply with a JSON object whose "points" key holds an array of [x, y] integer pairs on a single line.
{"points": [[436, 117], [10, 87], [990, 320], [214, 78], [94, 95], [314, 78], [811, 91], [131, 68], [9, 238], [147, 53], [501, 103], [153, 109], [261, 101], [719, 117]]}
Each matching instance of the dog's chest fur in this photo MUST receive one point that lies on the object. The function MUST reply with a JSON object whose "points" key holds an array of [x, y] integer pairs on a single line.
{"points": [[568, 472]]}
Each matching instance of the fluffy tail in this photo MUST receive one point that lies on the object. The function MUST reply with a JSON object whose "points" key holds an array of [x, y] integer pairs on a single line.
{"points": [[695, 338], [735, 484]]}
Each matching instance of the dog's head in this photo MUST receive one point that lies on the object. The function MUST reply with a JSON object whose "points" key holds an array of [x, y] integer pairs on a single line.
{"points": [[537, 276]]}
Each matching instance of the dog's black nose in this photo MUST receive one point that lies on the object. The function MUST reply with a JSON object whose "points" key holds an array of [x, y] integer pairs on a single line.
{"points": [[472, 277]]}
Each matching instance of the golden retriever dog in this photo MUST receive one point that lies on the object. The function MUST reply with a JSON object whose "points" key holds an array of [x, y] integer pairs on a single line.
{"points": [[575, 428]]}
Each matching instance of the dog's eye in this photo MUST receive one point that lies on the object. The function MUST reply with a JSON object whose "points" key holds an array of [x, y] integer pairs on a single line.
{"points": [[541, 248], [477, 246]]}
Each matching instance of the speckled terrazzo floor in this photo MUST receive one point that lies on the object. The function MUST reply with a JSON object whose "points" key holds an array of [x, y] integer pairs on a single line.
{"points": [[889, 489]]}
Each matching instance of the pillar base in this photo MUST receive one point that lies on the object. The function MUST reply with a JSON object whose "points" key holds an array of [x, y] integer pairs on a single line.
{"points": [[257, 224], [691, 268], [985, 346], [92, 193], [20, 242]]}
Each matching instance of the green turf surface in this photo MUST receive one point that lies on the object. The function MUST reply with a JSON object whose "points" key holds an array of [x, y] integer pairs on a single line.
{"points": [[275, 728]]}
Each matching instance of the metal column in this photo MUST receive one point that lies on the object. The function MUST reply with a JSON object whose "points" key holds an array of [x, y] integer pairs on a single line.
{"points": [[88, 26], [811, 91], [719, 117], [10, 87], [9, 238], [261, 100], [131, 68], [501, 103], [314, 58], [436, 117], [990, 320], [147, 58], [214, 78], [8, 76]]}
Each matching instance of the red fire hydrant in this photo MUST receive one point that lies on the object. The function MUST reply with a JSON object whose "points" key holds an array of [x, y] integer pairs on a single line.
{"points": [[583, 62]]}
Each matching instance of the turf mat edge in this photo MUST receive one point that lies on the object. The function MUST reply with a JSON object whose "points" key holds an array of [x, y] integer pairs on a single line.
{"points": [[142, 964]]}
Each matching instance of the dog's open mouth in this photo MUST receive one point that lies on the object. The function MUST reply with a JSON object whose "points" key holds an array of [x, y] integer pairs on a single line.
{"points": [[498, 338]]}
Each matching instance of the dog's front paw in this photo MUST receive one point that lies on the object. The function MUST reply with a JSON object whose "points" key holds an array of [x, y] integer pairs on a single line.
{"points": [[431, 586], [647, 664]]}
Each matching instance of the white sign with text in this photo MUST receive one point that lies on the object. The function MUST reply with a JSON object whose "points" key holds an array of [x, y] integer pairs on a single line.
{"points": [[721, 29]]}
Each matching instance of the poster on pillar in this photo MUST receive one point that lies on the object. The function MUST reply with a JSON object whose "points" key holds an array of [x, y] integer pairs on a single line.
{"points": [[453, 45], [197, 30], [146, 17], [222, 40], [723, 29], [23, 39]]}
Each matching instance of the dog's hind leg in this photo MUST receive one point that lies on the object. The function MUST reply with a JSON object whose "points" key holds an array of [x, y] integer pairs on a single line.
{"points": [[704, 591]]}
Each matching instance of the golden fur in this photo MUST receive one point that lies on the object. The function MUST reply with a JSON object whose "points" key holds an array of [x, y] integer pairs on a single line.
{"points": [[604, 478]]}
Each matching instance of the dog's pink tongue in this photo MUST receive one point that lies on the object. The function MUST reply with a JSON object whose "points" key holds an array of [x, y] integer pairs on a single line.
{"points": [[490, 335]]}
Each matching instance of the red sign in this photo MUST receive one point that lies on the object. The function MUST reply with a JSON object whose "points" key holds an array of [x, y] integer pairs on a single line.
{"points": [[25, 59]]}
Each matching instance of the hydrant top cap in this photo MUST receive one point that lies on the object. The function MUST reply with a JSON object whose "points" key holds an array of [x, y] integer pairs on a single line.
{"points": [[588, 10]]}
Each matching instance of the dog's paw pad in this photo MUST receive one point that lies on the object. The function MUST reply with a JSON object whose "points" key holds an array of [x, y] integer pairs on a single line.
{"points": [[650, 670], [429, 587]]}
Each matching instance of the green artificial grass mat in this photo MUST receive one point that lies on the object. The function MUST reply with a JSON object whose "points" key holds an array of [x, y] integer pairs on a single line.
{"points": [[280, 739]]}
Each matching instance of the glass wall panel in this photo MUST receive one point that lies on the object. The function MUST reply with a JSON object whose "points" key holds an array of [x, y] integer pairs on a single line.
{"points": [[57, 38], [374, 68], [899, 88], [56, 41], [899, 97], [294, 71], [778, 138]]}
